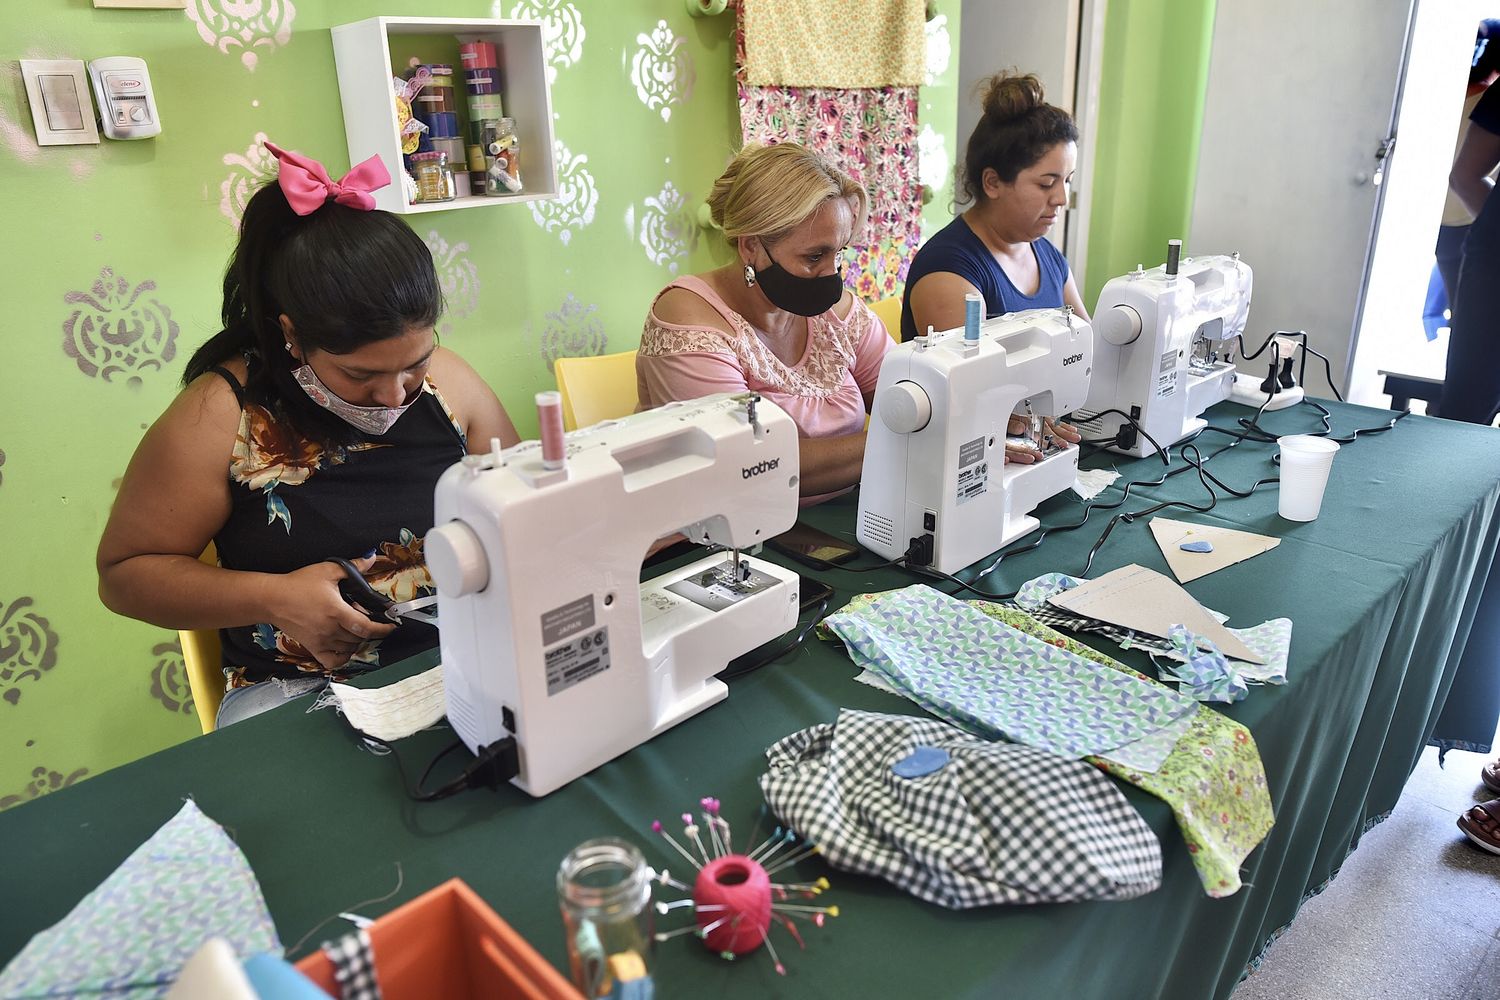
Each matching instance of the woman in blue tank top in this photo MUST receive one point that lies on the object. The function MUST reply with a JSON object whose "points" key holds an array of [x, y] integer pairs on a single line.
{"points": [[1017, 168]]}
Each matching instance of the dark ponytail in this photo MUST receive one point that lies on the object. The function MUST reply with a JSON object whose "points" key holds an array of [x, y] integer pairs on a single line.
{"points": [[345, 278], [1016, 130]]}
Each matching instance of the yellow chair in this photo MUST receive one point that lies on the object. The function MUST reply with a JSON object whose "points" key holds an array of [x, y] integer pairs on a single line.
{"points": [[889, 312], [202, 656], [596, 388]]}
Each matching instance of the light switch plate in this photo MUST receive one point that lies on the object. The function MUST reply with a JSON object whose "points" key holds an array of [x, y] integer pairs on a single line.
{"points": [[61, 108]]}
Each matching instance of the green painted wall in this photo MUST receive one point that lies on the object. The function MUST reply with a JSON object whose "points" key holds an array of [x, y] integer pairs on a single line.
{"points": [[130, 239], [1153, 81]]}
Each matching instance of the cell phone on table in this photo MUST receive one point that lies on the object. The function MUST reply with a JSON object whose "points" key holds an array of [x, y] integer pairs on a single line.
{"points": [[810, 591], [813, 547]]}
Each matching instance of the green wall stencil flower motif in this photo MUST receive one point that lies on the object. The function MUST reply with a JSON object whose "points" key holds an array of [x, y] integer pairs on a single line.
{"points": [[248, 171], [2, 462], [43, 780], [457, 276], [669, 228], [562, 30], [169, 678], [573, 330], [118, 330], [662, 70], [246, 25], [577, 197], [28, 647]]}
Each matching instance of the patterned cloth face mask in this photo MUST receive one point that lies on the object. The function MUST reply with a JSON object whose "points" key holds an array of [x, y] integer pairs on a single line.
{"points": [[373, 420]]}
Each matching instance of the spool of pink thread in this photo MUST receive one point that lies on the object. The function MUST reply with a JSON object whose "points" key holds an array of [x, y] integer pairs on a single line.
{"points": [[549, 417], [738, 894]]}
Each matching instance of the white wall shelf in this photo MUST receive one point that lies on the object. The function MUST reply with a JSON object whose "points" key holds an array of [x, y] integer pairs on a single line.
{"points": [[362, 52]]}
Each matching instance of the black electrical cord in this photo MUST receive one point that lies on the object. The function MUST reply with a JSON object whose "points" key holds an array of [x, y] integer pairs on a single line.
{"points": [[492, 765], [736, 669]]}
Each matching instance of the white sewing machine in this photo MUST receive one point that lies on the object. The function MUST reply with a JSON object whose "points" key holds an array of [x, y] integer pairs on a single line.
{"points": [[935, 451], [546, 631], [1160, 352]]}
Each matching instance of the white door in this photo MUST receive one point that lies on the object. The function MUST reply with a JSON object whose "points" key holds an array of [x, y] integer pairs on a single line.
{"points": [[1300, 97]]}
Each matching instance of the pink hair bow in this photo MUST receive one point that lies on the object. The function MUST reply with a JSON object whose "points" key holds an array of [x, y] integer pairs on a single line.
{"points": [[307, 186]]}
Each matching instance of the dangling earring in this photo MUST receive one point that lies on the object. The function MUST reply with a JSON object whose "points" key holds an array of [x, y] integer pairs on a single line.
{"points": [[749, 276]]}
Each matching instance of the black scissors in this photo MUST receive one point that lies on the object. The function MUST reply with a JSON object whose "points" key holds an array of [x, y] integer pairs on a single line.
{"points": [[358, 592]]}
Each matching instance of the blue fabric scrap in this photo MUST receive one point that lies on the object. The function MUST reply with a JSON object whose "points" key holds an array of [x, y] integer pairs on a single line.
{"points": [[921, 762]]}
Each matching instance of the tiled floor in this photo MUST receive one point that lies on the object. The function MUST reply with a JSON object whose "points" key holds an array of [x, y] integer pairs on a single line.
{"points": [[1414, 914]]}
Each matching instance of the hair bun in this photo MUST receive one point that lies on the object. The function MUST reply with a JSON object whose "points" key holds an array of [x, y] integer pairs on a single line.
{"points": [[1008, 96]]}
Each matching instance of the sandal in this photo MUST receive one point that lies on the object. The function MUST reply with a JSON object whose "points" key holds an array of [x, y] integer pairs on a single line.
{"points": [[1489, 775], [1481, 824]]}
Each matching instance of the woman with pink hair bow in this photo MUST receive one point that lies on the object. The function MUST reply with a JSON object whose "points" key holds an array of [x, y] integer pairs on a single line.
{"points": [[314, 426]]}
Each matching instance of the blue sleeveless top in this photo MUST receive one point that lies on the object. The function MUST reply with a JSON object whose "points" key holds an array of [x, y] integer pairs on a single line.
{"points": [[956, 249]]}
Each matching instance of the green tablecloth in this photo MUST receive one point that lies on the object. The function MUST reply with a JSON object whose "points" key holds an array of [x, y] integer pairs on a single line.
{"points": [[1382, 588]]}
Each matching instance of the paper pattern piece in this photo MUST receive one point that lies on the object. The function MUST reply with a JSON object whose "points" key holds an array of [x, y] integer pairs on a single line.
{"points": [[393, 711], [1000, 683], [134, 933], [1228, 547], [1135, 597]]}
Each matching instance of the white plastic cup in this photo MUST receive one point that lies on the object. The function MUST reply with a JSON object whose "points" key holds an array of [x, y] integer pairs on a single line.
{"points": [[1305, 461]]}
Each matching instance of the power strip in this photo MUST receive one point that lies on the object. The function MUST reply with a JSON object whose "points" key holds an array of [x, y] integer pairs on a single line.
{"points": [[1246, 390]]}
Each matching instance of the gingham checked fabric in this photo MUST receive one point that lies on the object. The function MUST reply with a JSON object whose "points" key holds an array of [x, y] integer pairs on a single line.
{"points": [[354, 966], [999, 823]]}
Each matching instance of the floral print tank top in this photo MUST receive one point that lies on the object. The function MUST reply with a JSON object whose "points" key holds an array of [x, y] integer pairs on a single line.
{"points": [[295, 503]]}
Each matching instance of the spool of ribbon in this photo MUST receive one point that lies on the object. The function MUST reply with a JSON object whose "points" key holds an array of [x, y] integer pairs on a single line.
{"points": [[733, 894]]}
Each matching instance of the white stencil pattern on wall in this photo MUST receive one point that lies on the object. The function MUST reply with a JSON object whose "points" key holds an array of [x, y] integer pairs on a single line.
{"points": [[117, 330], [246, 25], [662, 70], [574, 330], [248, 171], [577, 197], [669, 229], [562, 30], [939, 48], [932, 157], [457, 277]]}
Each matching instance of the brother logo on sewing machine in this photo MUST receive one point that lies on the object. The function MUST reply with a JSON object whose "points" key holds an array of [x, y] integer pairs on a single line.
{"points": [[759, 467], [1072, 359]]}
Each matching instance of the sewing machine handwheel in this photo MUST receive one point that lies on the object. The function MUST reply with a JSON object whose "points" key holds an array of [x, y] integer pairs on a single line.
{"points": [[904, 407], [456, 559]]}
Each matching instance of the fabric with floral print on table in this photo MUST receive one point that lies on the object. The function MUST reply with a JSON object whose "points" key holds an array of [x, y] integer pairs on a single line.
{"points": [[834, 43], [1213, 780], [131, 935], [870, 134], [998, 682]]}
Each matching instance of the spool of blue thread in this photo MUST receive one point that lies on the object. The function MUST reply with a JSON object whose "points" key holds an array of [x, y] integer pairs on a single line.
{"points": [[973, 315]]}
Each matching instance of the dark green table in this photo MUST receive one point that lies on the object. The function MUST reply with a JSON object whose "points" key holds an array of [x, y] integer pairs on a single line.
{"points": [[1382, 590]]}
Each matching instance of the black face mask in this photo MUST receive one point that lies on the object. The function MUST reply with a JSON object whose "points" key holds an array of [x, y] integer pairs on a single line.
{"points": [[803, 296]]}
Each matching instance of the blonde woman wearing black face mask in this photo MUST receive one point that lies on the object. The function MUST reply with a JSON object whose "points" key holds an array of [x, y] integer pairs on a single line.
{"points": [[777, 320]]}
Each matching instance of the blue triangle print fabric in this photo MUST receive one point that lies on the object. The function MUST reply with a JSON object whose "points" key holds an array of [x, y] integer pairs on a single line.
{"points": [[131, 936], [1000, 683]]}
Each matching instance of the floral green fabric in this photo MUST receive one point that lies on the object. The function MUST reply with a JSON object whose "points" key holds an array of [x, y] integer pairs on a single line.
{"points": [[1213, 779]]}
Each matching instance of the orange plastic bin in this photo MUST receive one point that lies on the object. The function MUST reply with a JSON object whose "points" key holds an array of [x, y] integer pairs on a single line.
{"points": [[448, 943]]}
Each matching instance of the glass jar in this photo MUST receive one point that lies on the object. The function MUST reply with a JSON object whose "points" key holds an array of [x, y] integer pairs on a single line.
{"points": [[604, 890], [434, 182]]}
